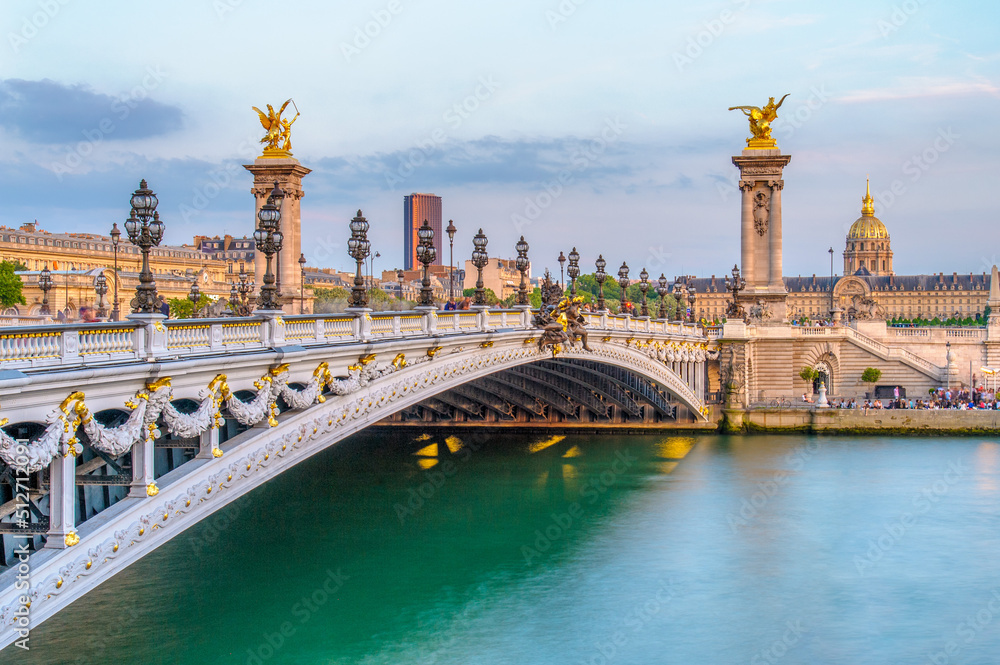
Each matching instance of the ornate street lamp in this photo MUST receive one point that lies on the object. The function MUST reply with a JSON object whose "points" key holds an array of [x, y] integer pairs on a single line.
{"points": [[302, 283], [680, 295], [101, 288], [451, 259], [426, 253], [573, 271], [268, 240], [234, 299], [479, 259], [244, 289], [662, 290], [600, 276], [734, 310], [562, 263], [194, 296], [358, 248], [690, 292], [623, 282], [145, 230], [115, 237], [644, 287], [522, 267], [45, 283], [400, 275]]}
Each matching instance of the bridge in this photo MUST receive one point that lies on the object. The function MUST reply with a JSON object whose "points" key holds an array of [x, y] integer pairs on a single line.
{"points": [[125, 434]]}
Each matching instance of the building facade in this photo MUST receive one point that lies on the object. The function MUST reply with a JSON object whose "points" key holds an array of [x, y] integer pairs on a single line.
{"points": [[871, 288], [500, 275], [416, 209]]}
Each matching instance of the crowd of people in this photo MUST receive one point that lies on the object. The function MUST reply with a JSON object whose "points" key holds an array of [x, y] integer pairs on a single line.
{"points": [[963, 399]]}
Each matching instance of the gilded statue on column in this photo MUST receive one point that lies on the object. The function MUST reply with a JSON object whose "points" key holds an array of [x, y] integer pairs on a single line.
{"points": [[277, 139], [760, 123]]}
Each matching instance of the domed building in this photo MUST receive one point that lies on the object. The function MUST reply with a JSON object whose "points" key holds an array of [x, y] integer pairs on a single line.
{"points": [[868, 245]]}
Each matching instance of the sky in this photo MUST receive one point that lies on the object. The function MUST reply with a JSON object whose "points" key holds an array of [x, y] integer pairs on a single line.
{"points": [[575, 123]]}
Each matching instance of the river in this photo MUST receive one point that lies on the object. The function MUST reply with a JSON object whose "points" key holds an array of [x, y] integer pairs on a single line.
{"points": [[411, 547]]}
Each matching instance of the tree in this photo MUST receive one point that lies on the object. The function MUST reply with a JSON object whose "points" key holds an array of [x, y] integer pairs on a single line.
{"points": [[809, 374], [491, 297], [871, 375], [181, 308], [10, 286]]}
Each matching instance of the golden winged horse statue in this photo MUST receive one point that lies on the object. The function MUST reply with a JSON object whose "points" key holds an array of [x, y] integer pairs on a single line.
{"points": [[278, 136], [760, 122]]}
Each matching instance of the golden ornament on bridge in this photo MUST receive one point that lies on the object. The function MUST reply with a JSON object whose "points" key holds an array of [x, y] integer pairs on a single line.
{"points": [[277, 141], [760, 123]]}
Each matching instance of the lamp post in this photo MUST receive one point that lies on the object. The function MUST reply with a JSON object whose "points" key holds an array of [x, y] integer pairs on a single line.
{"points": [[234, 298], [115, 237], [45, 283], [101, 288], [644, 287], [831, 282], [690, 294], [451, 259], [194, 296], [479, 259], [522, 267], [302, 283], [680, 295], [562, 280], [734, 286], [268, 240], [662, 290], [358, 248], [573, 271], [600, 276], [244, 290], [145, 230], [400, 276], [426, 253], [623, 282]]}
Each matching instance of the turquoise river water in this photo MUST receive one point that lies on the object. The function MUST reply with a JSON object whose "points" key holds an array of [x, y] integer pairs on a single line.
{"points": [[498, 548]]}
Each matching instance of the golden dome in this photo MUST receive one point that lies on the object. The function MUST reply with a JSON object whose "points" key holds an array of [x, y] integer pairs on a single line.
{"points": [[868, 225]]}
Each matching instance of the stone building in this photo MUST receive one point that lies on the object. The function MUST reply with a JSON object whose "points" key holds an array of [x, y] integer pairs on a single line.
{"points": [[500, 275], [871, 288], [75, 259]]}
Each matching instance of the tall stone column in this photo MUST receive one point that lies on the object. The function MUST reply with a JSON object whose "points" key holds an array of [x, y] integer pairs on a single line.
{"points": [[775, 280], [760, 224], [746, 235], [288, 173]]}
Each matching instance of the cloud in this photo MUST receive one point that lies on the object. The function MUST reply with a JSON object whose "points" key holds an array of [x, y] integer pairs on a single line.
{"points": [[922, 87], [48, 112]]}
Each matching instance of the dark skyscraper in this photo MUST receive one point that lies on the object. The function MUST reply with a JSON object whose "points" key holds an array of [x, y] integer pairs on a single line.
{"points": [[417, 208]]}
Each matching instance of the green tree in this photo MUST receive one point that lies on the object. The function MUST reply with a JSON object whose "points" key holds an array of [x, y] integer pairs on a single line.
{"points": [[11, 286], [809, 374], [329, 300], [491, 297], [182, 308], [871, 375]]}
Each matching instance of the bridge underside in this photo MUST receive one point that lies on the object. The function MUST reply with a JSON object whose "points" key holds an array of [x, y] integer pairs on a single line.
{"points": [[558, 390]]}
